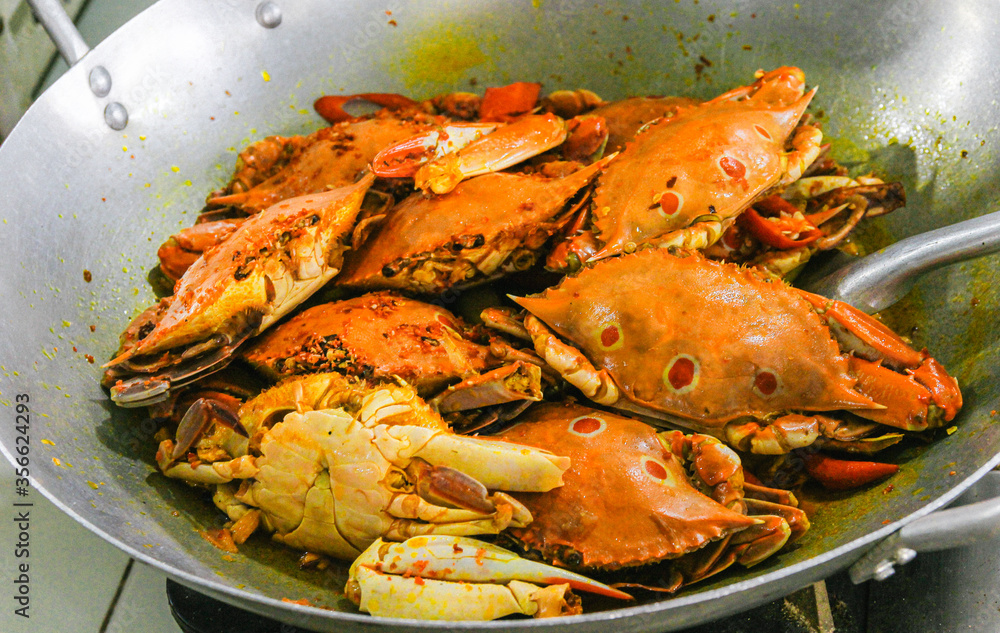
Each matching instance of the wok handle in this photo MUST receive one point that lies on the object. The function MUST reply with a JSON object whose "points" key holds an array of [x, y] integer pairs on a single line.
{"points": [[61, 29], [957, 526], [877, 281]]}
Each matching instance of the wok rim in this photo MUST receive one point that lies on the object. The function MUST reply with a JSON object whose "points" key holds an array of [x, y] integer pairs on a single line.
{"points": [[838, 558]]}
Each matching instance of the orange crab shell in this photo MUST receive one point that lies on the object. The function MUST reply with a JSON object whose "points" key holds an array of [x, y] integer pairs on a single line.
{"points": [[626, 117], [379, 334], [714, 159], [492, 211], [717, 341], [235, 276], [625, 501], [328, 158]]}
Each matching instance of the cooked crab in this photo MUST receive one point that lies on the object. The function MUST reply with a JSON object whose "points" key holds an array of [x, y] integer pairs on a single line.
{"points": [[684, 179], [734, 353], [277, 168], [488, 226], [383, 336], [677, 497], [332, 464], [264, 269]]}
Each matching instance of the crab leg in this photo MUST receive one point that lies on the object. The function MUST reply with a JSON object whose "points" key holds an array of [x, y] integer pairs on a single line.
{"points": [[496, 464], [517, 381], [571, 364], [797, 520], [758, 542], [806, 147]]}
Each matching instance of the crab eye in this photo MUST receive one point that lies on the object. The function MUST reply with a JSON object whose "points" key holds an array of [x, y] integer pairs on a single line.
{"points": [[587, 426], [766, 382], [682, 374], [733, 167]]}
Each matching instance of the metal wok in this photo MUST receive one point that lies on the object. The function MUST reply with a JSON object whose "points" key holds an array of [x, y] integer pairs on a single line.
{"points": [[88, 188]]}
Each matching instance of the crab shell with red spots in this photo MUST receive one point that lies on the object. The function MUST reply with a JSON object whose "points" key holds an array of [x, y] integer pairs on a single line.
{"points": [[709, 160], [717, 342], [716, 347], [626, 499]]}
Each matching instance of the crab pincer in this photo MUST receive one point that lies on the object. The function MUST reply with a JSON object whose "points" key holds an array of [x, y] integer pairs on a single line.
{"points": [[440, 159], [457, 578]]}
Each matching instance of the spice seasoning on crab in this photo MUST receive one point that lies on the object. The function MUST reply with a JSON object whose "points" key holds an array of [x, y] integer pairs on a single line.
{"points": [[677, 497], [715, 340], [278, 168], [384, 336], [333, 464], [682, 180], [264, 269], [487, 226]]}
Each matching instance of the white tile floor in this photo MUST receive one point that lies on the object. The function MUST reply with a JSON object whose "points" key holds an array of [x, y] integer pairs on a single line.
{"points": [[74, 576]]}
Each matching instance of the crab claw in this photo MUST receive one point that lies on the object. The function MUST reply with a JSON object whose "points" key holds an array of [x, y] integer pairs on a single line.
{"points": [[510, 383], [444, 577], [403, 159], [331, 107], [505, 147]]}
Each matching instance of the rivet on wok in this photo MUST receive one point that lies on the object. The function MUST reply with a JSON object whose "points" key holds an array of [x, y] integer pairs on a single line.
{"points": [[116, 116], [100, 81], [268, 15], [904, 555], [883, 570]]}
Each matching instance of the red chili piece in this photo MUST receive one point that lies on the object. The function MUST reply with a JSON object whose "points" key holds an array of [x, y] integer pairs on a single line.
{"points": [[509, 102], [779, 221], [841, 474]]}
